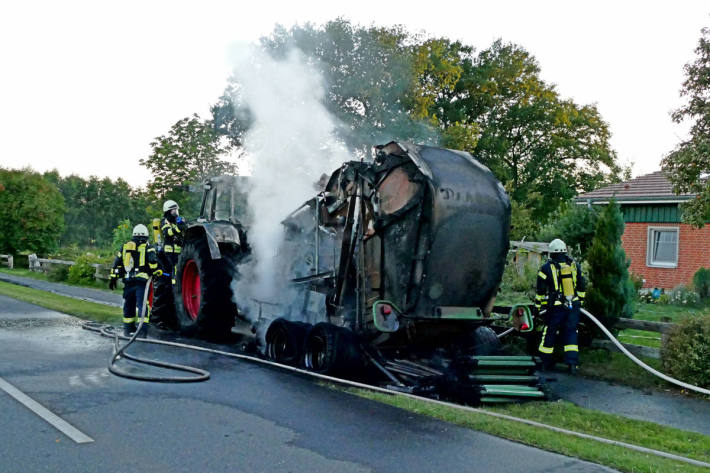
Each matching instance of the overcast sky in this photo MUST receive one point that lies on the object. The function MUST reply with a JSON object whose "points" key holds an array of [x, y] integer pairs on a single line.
{"points": [[85, 86]]}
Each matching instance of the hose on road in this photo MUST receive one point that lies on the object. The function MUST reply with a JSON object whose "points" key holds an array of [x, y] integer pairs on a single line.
{"points": [[119, 352]]}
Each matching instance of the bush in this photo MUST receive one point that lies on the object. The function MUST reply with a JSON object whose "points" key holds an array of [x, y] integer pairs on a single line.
{"points": [[82, 272], [121, 234], [519, 280], [58, 272], [680, 296], [686, 351], [575, 225], [637, 281], [701, 283]]}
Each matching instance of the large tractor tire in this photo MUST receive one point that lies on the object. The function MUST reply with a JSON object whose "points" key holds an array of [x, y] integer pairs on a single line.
{"points": [[285, 341], [331, 350], [203, 294]]}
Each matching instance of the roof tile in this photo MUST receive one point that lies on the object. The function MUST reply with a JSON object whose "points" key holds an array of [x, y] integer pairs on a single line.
{"points": [[651, 185]]}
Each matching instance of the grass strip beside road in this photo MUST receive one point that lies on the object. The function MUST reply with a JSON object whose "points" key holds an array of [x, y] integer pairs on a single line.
{"points": [[67, 305], [568, 416]]}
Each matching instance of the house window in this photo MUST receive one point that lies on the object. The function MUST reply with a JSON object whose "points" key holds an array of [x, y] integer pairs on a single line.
{"points": [[662, 250]]}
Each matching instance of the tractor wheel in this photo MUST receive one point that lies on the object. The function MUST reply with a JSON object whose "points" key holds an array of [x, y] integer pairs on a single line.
{"points": [[203, 294], [331, 350], [284, 341], [484, 342]]}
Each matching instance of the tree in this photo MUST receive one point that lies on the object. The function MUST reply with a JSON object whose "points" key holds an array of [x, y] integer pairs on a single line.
{"points": [[369, 74], [189, 153], [688, 166], [611, 292], [529, 136], [94, 206], [575, 225], [31, 212]]}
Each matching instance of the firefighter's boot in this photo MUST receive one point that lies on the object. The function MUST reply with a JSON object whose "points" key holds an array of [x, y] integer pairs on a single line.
{"points": [[129, 329], [143, 332]]}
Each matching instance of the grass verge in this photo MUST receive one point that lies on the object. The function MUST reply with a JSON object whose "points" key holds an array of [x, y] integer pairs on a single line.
{"points": [[67, 305], [566, 415], [616, 367]]}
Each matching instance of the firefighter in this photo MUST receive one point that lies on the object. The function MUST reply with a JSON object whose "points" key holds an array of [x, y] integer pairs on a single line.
{"points": [[172, 228], [135, 264], [560, 292]]}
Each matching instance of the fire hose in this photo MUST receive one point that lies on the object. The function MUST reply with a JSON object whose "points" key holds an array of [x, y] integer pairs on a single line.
{"points": [[203, 375], [107, 330], [641, 363]]}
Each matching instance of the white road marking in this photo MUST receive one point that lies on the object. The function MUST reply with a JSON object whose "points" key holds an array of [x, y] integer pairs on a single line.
{"points": [[57, 422]]}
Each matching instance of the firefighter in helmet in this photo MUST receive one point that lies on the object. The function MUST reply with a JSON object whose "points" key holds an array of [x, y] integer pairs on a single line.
{"points": [[172, 228], [135, 264], [560, 292]]}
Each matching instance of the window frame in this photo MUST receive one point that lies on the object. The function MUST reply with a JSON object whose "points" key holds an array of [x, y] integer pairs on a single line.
{"points": [[651, 230]]}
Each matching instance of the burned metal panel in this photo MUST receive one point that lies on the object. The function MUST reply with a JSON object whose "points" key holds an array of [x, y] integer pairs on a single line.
{"points": [[470, 226]]}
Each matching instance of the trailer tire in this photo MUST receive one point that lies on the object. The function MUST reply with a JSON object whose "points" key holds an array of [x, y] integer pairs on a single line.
{"points": [[285, 341], [203, 295], [485, 342], [331, 350]]}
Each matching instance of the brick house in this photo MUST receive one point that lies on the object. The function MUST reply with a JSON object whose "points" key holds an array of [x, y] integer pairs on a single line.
{"points": [[662, 250]]}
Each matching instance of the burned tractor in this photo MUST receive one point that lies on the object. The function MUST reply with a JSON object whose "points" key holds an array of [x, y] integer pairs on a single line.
{"points": [[214, 245], [394, 269]]}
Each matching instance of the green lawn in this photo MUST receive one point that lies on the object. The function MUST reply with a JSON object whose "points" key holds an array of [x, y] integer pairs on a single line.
{"points": [[656, 312], [67, 305], [568, 416]]}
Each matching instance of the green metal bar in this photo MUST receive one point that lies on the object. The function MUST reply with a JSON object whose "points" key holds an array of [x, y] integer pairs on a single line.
{"points": [[513, 392], [504, 357], [487, 378], [500, 372], [510, 387], [512, 363]]}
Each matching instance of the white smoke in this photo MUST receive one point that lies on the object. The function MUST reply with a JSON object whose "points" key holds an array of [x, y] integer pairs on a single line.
{"points": [[290, 144]]}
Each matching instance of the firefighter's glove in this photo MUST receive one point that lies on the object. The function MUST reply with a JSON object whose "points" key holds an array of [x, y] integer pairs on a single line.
{"points": [[112, 283], [157, 273], [180, 220]]}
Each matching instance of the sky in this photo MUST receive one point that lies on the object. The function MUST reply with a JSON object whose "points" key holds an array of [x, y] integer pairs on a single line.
{"points": [[86, 86]]}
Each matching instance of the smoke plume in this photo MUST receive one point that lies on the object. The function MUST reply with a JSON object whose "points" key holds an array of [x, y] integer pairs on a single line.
{"points": [[290, 144]]}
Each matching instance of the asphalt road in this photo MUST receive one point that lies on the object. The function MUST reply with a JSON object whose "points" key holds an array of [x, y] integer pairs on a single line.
{"points": [[246, 418]]}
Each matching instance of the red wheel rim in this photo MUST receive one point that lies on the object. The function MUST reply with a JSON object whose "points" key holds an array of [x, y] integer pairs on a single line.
{"points": [[191, 288]]}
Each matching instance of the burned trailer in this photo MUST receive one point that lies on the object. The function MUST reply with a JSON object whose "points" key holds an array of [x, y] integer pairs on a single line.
{"points": [[395, 265]]}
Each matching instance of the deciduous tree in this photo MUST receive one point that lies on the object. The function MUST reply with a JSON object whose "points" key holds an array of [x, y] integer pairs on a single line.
{"points": [[31, 212], [688, 166]]}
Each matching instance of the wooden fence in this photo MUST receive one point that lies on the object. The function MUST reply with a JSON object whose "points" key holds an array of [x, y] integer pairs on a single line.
{"points": [[638, 350], [7, 260], [102, 271]]}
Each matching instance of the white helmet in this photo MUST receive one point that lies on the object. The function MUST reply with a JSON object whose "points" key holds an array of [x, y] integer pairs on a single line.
{"points": [[169, 205], [140, 230], [557, 246]]}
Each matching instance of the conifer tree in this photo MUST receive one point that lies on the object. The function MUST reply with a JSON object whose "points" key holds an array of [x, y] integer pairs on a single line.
{"points": [[611, 292]]}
